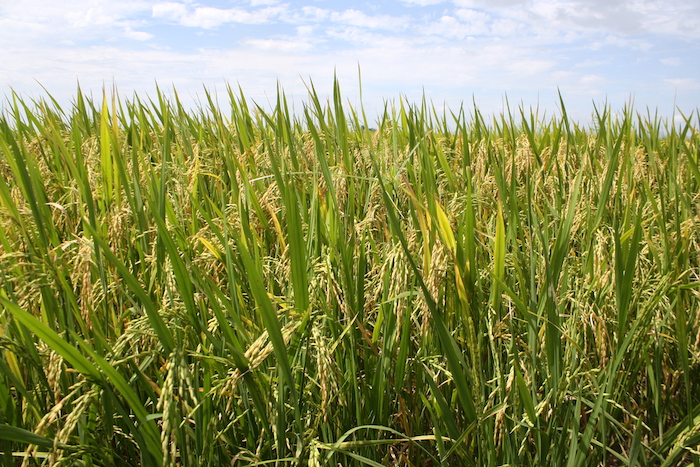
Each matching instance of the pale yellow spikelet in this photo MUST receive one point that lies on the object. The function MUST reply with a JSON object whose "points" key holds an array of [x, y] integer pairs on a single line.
{"points": [[256, 353], [50, 418], [81, 405], [314, 455], [167, 404], [54, 370], [327, 379]]}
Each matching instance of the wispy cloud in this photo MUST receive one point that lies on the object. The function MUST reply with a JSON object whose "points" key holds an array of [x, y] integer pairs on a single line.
{"points": [[137, 35], [679, 18], [281, 45], [671, 61], [209, 17], [169, 11], [423, 2], [463, 24], [360, 19], [622, 42], [74, 20], [683, 83], [445, 48]]}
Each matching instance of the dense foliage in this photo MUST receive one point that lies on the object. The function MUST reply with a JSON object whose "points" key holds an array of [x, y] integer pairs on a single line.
{"points": [[194, 287]]}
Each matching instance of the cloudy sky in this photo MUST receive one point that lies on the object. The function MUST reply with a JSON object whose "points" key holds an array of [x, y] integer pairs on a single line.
{"points": [[450, 51]]}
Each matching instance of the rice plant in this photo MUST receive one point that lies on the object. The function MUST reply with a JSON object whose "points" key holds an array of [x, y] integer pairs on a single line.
{"points": [[267, 287]]}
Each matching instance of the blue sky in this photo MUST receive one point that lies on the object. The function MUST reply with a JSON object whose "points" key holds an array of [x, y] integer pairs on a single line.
{"points": [[451, 51]]}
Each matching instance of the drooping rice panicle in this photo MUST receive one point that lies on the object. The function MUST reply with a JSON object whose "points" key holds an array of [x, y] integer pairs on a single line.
{"points": [[207, 287]]}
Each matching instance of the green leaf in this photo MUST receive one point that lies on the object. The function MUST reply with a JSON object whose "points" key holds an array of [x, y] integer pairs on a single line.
{"points": [[53, 340], [20, 435]]}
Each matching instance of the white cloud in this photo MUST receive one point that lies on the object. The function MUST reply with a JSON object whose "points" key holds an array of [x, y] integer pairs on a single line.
{"points": [[490, 3], [672, 61], [312, 13], [447, 27], [469, 22], [672, 17], [622, 42], [306, 31], [263, 2], [361, 19], [209, 17], [423, 2], [683, 83], [169, 10], [282, 45], [678, 18], [355, 35], [476, 21], [471, 16], [507, 27], [591, 80], [589, 63], [98, 15], [137, 35], [35, 23]]}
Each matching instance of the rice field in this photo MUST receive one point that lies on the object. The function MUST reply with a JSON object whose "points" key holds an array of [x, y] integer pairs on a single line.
{"points": [[194, 287]]}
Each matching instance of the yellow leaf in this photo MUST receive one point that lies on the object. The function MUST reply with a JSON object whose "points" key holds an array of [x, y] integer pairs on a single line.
{"points": [[445, 229], [209, 246]]}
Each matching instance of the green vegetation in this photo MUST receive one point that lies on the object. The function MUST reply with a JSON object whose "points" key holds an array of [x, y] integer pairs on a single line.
{"points": [[187, 287]]}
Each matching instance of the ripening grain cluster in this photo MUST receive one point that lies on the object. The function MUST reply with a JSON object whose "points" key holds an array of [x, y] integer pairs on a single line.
{"points": [[194, 287]]}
